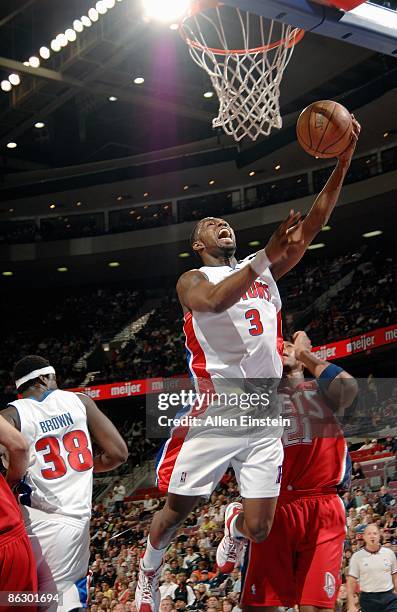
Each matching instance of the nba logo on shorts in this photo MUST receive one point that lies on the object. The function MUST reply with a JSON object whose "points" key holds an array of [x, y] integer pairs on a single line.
{"points": [[183, 478], [329, 586]]}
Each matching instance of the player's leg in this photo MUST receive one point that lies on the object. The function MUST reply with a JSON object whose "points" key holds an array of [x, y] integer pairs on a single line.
{"points": [[319, 560], [17, 568], [258, 472]]}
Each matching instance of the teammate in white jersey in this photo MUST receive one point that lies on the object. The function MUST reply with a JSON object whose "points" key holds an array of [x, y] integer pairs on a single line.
{"points": [[233, 331], [57, 489]]}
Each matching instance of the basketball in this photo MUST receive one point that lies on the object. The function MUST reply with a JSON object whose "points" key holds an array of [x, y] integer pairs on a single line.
{"points": [[324, 129]]}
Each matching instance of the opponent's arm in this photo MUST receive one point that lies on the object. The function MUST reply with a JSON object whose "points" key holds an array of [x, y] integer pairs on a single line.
{"points": [[343, 388], [17, 451], [195, 292], [320, 212], [114, 450]]}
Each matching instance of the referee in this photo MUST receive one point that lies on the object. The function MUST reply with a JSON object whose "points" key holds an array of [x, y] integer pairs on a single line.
{"points": [[375, 567]]}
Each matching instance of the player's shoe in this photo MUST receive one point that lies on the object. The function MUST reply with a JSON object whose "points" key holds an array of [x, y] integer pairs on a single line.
{"points": [[229, 551], [147, 594]]}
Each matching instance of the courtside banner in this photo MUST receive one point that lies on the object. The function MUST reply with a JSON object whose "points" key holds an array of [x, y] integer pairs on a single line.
{"points": [[334, 350]]}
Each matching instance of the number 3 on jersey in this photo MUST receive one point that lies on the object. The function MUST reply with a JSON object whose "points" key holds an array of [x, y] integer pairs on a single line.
{"points": [[256, 328], [75, 444]]}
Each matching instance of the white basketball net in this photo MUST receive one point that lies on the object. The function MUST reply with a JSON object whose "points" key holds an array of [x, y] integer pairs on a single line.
{"points": [[246, 76]]}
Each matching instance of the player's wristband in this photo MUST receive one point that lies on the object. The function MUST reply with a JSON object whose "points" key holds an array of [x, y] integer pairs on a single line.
{"points": [[260, 262], [328, 375]]}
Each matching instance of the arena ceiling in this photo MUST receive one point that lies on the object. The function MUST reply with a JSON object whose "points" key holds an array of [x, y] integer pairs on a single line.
{"points": [[70, 91]]}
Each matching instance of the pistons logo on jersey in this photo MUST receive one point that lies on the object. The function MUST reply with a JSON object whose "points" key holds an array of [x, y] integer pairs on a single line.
{"points": [[329, 584]]}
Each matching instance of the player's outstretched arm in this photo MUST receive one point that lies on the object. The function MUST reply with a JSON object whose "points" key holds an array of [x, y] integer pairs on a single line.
{"points": [[195, 292], [114, 450], [302, 236], [17, 451], [340, 387]]}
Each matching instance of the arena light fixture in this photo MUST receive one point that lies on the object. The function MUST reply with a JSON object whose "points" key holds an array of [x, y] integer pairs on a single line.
{"points": [[11, 145], [211, 182], [34, 61], [78, 204], [139, 80], [55, 46], [93, 14], [112, 99], [70, 34], [254, 243], [185, 187], [252, 173], [52, 206], [109, 3], [78, 26], [174, 26], [10, 210], [277, 167], [14, 79], [39, 125], [208, 94], [62, 269], [86, 21], [318, 245], [372, 234], [101, 7], [119, 198], [166, 12], [62, 40], [184, 255], [145, 195], [6, 85], [26, 63], [44, 53], [326, 228], [113, 264], [7, 273], [386, 135]]}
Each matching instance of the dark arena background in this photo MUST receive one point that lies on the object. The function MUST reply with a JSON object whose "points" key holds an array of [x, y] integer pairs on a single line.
{"points": [[108, 160]]}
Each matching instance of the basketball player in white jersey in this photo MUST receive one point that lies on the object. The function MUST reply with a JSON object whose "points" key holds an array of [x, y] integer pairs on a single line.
{"points": [[57, 488], [233, 331]]}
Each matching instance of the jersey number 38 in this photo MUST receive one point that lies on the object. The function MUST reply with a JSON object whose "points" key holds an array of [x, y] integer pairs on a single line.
{"points": [[79, 456]]}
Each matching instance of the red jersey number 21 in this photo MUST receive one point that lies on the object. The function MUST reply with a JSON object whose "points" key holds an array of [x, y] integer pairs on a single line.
{"points": [[79, 455], [254, 317]]}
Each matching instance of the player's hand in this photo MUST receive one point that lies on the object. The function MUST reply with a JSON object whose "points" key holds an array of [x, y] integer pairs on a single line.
{"points": [[287, 232], [301, 343], [347, 154]]}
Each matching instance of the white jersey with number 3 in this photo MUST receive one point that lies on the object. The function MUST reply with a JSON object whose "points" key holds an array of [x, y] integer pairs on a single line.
{"points": [[61, 463], [245, 341]]}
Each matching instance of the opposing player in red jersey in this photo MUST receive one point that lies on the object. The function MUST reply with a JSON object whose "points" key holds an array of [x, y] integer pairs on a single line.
{"points": [[300, 561], [17, 564]]}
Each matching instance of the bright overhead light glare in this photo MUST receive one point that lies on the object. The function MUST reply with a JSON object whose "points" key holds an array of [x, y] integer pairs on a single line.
{"points": [[112, 99], [113, 264], [34, 61], [318, 245], [52, 206], [78, 203], [78, 25], [208, 94], [145, 195], [174, 26], [26, 63], [165, 11], [372, 234], [44, 52], [109, 3], [7, 273], [277, 167], [11, 145], [139, 80], [70, 35], [55, 46], [101, 7], [14, 79], [62, 269], [62, 40], [86, 21], [211, 182], [252, 173], [185, 187], [184, 255], [6, 85], [386, 134], [10, 210], [93, 14], [39, 125]]}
